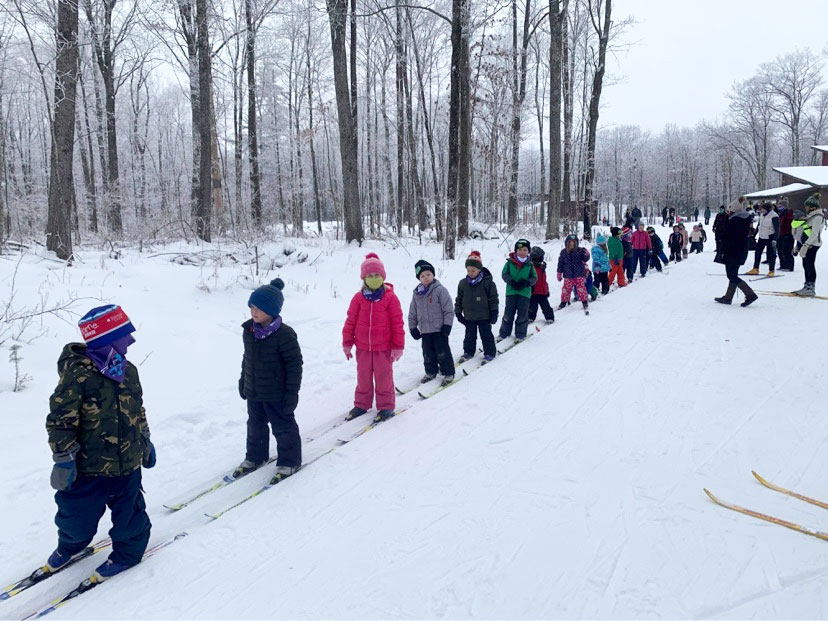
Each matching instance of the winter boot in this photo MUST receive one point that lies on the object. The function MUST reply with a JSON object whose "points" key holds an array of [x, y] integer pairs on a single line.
{"points": [[753, 272], [548, 321], [447, 379], [488, 358], [499, 338], [109, 569], [586, 307], [354, 413], [808, 291], [283, 472], [750, 296], [246, 467], [562, 306], [465, 358], [427, 378], [383, 415], [727, 298], [58, 561], [771, 274]]}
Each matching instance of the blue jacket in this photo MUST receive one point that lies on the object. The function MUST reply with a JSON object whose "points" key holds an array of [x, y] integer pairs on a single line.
{"points": [[600, 260], [573, 264]]}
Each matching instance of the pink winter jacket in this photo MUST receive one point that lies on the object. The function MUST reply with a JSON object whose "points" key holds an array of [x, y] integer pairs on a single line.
{"points": [[374, 326], [641, 241]]}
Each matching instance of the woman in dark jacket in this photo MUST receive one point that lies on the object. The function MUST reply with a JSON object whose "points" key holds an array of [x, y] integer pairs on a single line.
{"points": [[734, 252]]}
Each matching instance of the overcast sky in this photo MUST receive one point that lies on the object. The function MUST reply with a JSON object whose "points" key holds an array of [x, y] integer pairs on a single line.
{"points": [[686, 54]]}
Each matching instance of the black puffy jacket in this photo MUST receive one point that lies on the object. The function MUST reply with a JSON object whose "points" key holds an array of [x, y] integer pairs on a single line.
{"points": [[735, 238], [271, 367]]}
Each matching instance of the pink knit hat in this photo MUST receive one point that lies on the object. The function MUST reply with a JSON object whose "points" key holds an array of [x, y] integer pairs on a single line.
{"points": [[372, 265]]}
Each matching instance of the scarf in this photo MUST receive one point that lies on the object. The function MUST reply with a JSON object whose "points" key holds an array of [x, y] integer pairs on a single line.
{"points": [[109, 362], [262, 332], [475, 280], [373, 296], [422, 289]]}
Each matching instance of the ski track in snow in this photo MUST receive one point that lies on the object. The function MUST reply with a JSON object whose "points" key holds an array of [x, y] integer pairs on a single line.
{"points": [[563, 480]]}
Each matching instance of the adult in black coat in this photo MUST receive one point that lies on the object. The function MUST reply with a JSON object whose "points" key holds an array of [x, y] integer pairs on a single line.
{"points": [[733, 252]]}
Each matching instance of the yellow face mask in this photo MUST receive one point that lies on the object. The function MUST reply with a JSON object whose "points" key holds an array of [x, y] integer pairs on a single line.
{"points": [[373, 282]]}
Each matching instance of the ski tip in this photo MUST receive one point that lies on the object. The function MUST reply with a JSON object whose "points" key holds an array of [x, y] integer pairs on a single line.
{"points": [[466, 373], [422, 396], [399, 392], [710, 495]]}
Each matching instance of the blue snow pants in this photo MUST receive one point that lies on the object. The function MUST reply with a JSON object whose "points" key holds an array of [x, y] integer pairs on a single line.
{"points": [[81, 507]]}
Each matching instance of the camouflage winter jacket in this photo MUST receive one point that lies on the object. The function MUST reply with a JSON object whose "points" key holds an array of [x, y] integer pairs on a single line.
{"points": [[103, 421]]}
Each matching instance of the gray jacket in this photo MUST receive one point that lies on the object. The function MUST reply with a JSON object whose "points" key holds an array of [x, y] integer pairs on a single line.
{"points": [[432, 310]]}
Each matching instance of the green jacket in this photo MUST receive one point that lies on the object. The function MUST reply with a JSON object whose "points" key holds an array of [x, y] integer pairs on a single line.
{"points": [[514, 271], [103, 421], [615, 248]]}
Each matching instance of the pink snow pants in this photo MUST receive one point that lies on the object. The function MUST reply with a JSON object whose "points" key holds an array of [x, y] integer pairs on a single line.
{"points": [[580, 289], [374, 368]]}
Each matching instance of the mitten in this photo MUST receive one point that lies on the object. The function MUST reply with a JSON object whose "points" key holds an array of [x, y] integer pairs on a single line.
{"points": [[415, 333], [493, 317], [396, 354], [149, 454], [460, 318], [64, 472], [241, 388], [560, 277], [445, 329], [347, 351]]}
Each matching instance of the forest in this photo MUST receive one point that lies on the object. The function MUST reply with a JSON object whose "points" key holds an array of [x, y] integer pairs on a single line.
{"points": [[149, 120]]}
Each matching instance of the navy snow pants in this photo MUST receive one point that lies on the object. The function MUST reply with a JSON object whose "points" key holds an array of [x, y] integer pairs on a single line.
{"points": [[515, 305], [285, 430], [81, 507]]}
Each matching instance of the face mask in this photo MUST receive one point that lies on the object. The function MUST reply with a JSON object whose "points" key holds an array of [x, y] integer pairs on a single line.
{"points": [[373, 282]]}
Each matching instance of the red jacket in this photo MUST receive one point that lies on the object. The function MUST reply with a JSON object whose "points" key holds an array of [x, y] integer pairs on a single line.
{"points": [[541, 287], [374, 326], [641, 241]]}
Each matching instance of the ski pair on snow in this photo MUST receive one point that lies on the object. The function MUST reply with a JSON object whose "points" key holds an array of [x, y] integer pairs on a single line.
{"points": [[90, 583], [770, 518]]}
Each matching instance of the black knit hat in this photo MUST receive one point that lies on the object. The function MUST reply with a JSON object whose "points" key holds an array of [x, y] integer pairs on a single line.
{"points": [[537, 253], [522, 243], [421, 266]]}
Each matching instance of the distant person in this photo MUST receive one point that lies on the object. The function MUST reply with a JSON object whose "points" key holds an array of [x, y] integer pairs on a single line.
{"points": [[374, 324], [540, 290], [642, 247], [671, 219], [615, 250], [707, 214], [703, 236], [664, 217], [734, 253], [685, 239], [636, 216], [675, 241], [657, 255], [430, 317], [696, 213], [601, 263], [785, 243], [811, 232], [719, 227], [767, 231], [695, 240], [572, 269]]}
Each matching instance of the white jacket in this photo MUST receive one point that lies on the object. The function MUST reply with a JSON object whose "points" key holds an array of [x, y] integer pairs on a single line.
{"points": [[766, 227], [815, 220]]}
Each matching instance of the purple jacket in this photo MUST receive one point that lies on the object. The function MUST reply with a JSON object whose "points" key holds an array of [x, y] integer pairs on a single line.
{"points": [[573, 264]]}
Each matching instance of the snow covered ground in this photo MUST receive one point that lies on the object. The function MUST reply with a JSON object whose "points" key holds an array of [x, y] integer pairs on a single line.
{"points": [[562, 481]]}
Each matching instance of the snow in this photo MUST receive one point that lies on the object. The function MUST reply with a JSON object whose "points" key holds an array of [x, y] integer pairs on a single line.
{"points": [[813, 175], [780, 191], [563, 480]]}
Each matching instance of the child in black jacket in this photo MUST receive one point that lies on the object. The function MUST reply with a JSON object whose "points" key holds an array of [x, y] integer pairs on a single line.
{"points": [[270, 380], [676, 241]]}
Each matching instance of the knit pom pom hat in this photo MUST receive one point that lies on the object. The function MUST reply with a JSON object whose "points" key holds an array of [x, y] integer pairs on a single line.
{"points": [[474, 260], [269, 298], [372, 265]]}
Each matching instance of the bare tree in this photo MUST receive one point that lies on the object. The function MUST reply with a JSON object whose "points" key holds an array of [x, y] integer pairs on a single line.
{"points": [[61, 182], [791, 80], [557, 43], [205, 86], [338, 15]]}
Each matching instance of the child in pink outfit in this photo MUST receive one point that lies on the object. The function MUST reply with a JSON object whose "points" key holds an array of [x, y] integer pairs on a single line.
{"points": [[375, 325]]}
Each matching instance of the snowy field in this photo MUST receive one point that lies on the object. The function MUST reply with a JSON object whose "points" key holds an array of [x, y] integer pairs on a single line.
{"points": [[562, 481]]}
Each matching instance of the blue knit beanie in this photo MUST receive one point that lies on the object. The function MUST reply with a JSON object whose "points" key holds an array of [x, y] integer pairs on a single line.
{"points": [[269, 298]]}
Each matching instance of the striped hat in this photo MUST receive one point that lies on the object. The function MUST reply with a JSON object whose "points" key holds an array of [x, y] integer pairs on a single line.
{"points": [[104, 324]]}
